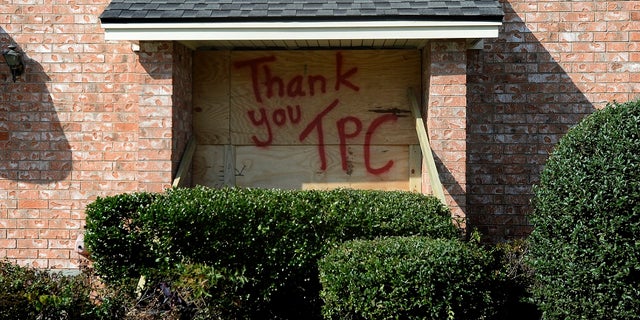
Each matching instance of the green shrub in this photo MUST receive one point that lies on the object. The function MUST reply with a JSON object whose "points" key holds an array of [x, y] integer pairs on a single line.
{"points": [[356, 214], [27, 293], [116, 235], [272, 237], [584, 247], [407, 278]]}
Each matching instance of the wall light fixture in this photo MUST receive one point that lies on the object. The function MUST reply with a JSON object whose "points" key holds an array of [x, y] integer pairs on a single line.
{"points": [[13, 58]]}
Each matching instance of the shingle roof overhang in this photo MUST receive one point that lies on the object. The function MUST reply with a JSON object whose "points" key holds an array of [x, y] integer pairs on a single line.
{"points": [[214, 20]]}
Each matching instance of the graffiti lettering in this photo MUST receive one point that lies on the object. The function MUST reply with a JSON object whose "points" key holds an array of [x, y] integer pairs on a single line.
{"points": [[253, 64], [367, 144], [344, 135], [279, 117], [312, 84], [343, 78], [259, 122], [267, 85], [316, 123]]}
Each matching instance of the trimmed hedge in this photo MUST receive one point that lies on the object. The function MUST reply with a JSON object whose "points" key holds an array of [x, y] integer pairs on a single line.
{"points": [[407, 278], [584, 247], [114, 232], [273, 238]]}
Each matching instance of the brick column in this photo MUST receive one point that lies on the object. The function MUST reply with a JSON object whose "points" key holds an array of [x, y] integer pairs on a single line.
{"points": [[182, 104], [445, 77], [165, 112]]}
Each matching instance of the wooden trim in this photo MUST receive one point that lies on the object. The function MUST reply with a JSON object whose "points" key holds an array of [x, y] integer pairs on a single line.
{"points": [[185, 163], [421, 130]]}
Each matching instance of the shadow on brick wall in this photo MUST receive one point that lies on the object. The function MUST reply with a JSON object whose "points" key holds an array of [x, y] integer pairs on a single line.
{"points": [[452, 186], [33, 145], [521, 102]]}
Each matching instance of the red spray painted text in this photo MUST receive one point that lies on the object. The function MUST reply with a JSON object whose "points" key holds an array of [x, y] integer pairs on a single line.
{"points": [[267, 85]]}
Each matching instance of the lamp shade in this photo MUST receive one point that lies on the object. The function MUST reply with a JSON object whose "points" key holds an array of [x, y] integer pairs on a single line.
{"points": [[13, 59]]}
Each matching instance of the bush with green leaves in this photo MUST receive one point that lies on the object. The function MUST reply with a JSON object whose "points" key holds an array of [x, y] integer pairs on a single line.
{"points": [[407, 278], [274, 238], [585, 244], [28, 293], [118, 217]]}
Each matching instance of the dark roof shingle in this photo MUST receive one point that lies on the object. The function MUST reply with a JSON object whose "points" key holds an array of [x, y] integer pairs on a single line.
{"points": [[296, 10]]}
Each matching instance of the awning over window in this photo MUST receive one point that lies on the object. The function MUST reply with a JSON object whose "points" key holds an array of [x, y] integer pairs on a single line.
{"points": [[301, 22]]}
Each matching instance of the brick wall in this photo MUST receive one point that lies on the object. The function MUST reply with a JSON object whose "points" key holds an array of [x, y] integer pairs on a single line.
{"points": [[88, 118], [93, 118], [445, 90], [554, 63], [165, 112]]}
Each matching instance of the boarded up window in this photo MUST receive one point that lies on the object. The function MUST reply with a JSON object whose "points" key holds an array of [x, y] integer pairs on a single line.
{"points": [[305, 119]]}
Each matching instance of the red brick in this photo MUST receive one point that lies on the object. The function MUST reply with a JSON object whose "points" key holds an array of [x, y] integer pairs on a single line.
{"points": [[65, 263], [33, 204], [64, 224], [61, 244], [54, 234], [8, 243], [541, 16], [32, 243], [22, 253], [580, 16], [610, 36], [22, 234], [554, 7]]}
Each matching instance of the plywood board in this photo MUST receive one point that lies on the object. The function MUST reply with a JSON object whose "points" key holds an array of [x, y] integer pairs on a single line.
{"points": [[415, 169], [229, 165], [299, 168], [211, 97], [306, 119], [311, 97], [209, 166]]}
